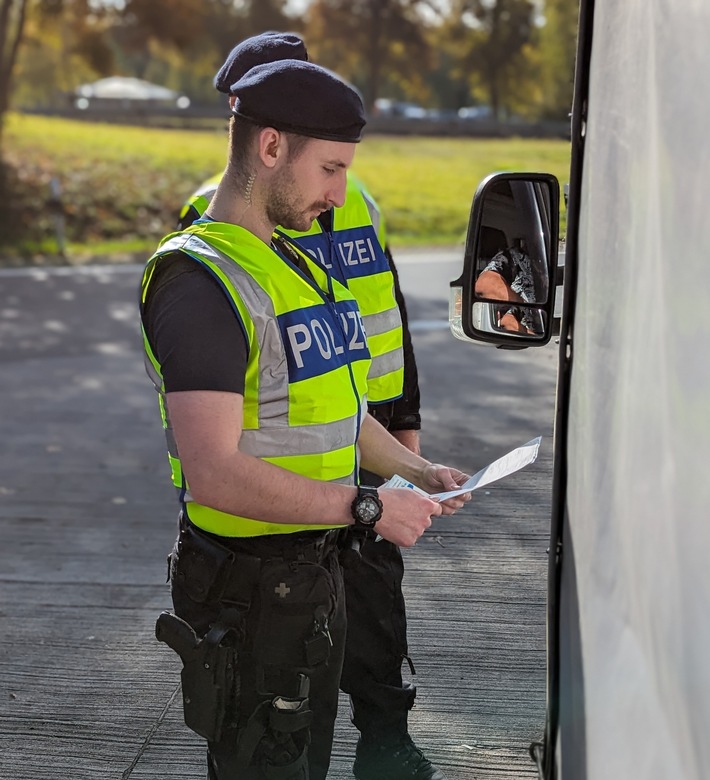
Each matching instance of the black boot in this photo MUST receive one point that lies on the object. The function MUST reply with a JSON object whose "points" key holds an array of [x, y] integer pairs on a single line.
{"points": [[393, 759], [385, 751]]}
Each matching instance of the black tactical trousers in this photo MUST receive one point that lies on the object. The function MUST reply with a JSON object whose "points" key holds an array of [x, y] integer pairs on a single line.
{"points": [[376, 643], [283, 598]]}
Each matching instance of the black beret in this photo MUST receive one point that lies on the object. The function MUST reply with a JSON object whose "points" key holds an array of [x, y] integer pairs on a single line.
{"points": [[258, 50], [302, 98]]}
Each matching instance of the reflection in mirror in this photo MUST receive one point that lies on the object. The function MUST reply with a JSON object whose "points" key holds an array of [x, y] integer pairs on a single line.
{"points": [[512, 258], [499, 318], [506, 292]]}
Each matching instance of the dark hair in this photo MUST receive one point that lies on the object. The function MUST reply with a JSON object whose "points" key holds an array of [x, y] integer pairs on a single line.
{"points": [[242, 133], [296, 144]]}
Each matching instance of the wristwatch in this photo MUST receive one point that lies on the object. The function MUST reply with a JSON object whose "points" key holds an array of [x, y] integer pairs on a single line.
{"points": [[366, 507]]}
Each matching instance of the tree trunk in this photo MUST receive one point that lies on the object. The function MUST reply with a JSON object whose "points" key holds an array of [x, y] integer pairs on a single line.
{"points": [[9, 47], [494, 93], [375, 63]]}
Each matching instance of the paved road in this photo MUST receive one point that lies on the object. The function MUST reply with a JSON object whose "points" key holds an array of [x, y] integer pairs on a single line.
{"points": [[87, 517]]}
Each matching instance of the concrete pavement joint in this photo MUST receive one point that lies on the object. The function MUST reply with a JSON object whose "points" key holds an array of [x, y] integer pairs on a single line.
{"points": [[150, 734]]}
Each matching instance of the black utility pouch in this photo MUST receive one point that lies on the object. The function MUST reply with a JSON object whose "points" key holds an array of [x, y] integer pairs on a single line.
{"points": [[202, 566], [297, 602], [210, 677]]}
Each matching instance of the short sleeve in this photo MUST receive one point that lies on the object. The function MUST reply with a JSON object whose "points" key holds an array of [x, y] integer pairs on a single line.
{"points": [[193, 329]]}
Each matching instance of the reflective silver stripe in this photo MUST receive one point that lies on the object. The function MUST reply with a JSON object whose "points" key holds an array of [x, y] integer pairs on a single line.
{"points": [[206, 192], [170, 439], [374, 213], [299, 439], [154, 376], [157, 381], [382, 322], [273, 384], [386, 364], [173, 244]]}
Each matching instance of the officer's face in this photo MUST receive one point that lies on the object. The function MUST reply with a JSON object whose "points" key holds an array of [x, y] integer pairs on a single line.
{"points": [[311, 182]]}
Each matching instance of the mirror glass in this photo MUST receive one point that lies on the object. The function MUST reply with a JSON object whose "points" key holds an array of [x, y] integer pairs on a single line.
{"points": [[512, 260], [497, 318]]}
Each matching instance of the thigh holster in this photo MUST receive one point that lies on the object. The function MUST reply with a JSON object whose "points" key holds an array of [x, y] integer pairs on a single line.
{"points": [[210, 679]]}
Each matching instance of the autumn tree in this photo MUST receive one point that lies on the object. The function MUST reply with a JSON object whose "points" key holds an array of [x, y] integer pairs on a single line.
{"points": [[64, 42], [493, 37], [370, 41], [190, 39], [215, 25], [265, 15], [557, 50], [30, 30]]}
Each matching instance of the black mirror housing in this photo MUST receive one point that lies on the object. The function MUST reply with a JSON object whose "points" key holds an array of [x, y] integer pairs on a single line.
{"points": [[506, 293]]}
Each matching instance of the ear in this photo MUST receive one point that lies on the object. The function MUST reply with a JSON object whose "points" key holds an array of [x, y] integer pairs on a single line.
{"points": [[272, 146]]}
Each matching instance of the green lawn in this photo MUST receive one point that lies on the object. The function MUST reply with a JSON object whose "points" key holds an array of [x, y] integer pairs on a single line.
{"points": [[123, 186]]}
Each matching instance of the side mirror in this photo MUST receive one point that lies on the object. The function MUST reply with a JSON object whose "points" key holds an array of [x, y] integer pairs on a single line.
{"points": [[506, 293]]}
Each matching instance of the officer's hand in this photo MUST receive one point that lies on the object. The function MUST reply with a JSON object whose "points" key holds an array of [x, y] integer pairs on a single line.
{"points": [[406, 514], [438, 479]]}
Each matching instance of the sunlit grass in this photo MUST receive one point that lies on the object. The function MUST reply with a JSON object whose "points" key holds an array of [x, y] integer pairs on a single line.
{"points": [[126, 184], [425, 185]]}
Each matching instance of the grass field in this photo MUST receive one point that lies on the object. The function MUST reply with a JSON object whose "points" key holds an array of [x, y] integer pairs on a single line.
{"points": [[123, 186]]}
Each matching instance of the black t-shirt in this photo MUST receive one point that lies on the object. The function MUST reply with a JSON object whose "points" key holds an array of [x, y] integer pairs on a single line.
{"points": [[193, 329]]}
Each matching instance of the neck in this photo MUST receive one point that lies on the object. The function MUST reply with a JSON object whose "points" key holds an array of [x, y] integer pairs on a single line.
{"points": [[228, 206]]}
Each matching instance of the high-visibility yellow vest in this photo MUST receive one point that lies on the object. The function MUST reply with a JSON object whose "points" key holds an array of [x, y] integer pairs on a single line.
{"points": [[354, 254], [306, 377], [196, 205]]}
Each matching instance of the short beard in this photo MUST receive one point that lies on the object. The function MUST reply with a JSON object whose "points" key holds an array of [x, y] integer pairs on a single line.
{"points": [[285, 205]]}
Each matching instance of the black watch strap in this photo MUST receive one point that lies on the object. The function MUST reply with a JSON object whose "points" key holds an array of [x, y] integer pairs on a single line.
{"points": [[366, 508]]}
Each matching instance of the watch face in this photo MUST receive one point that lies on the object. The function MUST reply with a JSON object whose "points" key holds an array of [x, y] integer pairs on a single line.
{"points": [[367, 509]]}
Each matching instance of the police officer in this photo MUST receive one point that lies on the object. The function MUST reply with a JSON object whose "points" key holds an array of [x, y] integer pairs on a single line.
{"points": [[260, 361], [349, 242]]}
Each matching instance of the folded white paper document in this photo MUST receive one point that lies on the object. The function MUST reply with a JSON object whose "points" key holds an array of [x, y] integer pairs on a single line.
{"points": [[508, 464]]}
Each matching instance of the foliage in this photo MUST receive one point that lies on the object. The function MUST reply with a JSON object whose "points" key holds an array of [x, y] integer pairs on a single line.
{"points": [[556, 55], [117, 182], [65, 43], [206, 30], [370, 41], [177, 43], [126, 185], [493, 39]]}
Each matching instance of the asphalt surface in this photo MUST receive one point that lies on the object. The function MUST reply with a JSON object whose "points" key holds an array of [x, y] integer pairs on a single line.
{"points": [[88, 517]]}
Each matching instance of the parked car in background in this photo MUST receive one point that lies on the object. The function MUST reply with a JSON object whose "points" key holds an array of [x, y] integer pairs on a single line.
{"points": [[387, 107], [475, 112]]}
